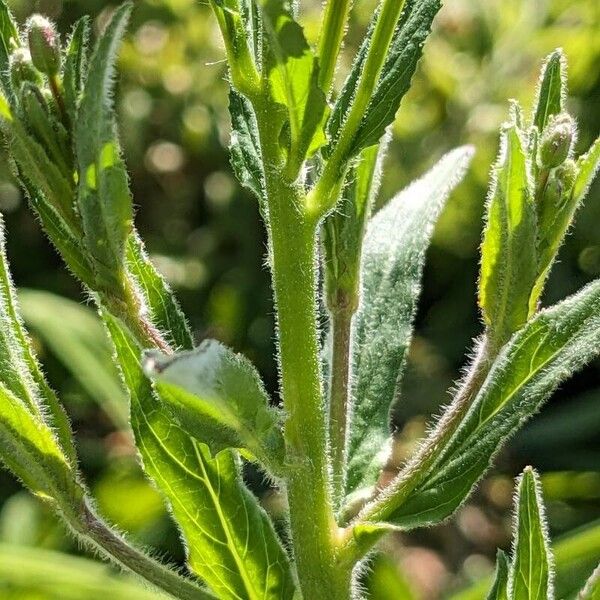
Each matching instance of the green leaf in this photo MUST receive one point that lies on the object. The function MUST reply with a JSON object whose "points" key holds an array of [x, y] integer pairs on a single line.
{"points": [[19, 369], [293, 73], [552, 89], [392, 266], [244, 148], [550, 348], [508, 252], [531, 569], [30, 450], [575, 554], [36, 168], [103, 197], [75, 334], [213, 387], [587, 168], [401, 63], [591, 591], [499, 589], [386, 581], [9, 41], [160, 302], [75, 68], [45, 574], [230, 540]]}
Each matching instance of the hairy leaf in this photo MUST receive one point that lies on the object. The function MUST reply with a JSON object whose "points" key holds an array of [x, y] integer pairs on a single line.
{"points": [[103, 196], [230, 540], [293, 71], [508, 252], [550, 348], [552, 89], [19, 369], [392, 265], [400, 65], [160, 302], [212, 384], [75, 68], [9, 41], [244, 148], [499, 589], [531, 569]]}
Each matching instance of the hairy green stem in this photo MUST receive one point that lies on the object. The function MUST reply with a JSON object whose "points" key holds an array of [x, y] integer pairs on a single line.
{"points": [[96, 533], [339, 380], [323, 196], [330, 40]]}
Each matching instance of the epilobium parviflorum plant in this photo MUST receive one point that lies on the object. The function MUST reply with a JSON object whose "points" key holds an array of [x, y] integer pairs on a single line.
{"points": [[313, 156]]}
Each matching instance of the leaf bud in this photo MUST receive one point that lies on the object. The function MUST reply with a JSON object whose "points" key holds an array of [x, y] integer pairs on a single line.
{"points": [[556, 141], [22, 69], [560, 183], [44, 45]]}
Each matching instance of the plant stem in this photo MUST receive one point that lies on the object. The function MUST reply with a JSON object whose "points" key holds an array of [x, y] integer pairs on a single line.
{"points": [[322, 198], [341, 331], [330, 40], [417, 468], [96, 533]]}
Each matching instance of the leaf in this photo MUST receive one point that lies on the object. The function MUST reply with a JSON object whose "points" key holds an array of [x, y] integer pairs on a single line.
{"points": [[499, 589], [230, 540], [575, 554], [392, 266], [103, 197], [75, 67], [386, 581], [293, 72], [508, 256], [531, 569], [19, 369], [41, 573], [76, 336], [30, 451], [9, 41], [587, 168], [213, 387], [400, 65], [164, 310], [552, 89], [591, 591], [549, 349], [244, 148]]}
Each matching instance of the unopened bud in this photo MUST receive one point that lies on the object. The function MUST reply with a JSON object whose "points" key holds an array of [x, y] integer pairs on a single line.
{"points": [[22, 69], [44, 45], [556, 141]]}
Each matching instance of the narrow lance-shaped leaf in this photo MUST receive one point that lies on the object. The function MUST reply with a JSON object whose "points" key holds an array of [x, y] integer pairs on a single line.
{"points": [[213, 385], [392, 266], [293, 73], [9, 40], [499, 590], [551, 347], [531, 568], [552, 89], [400, 65], [75, 69], [244, 148], [230, 540], [508, 252], [104, 201], [19, 369]]}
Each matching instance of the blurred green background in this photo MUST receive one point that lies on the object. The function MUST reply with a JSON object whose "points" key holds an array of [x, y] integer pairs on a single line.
{"points": [[205, 235]]}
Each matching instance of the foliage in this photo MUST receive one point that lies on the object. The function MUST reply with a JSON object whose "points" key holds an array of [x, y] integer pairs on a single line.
{"points": [[313, 159]]}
